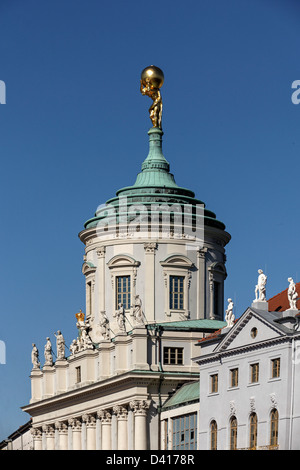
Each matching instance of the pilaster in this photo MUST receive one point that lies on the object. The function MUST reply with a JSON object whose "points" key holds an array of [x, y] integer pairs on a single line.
{"points": [[122, 431], [149, 292]]}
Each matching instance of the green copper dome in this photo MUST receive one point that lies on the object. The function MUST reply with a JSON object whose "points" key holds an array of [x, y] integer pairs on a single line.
{"points": [[154, 184]]}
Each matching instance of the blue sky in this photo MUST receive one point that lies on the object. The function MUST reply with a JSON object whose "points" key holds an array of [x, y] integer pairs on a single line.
{"points": [[74, 130]]}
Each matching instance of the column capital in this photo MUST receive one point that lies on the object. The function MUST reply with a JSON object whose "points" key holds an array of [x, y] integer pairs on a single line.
{"points": [[104, 416], [61, 426], [48, 429], [89, 419], [101, 251], [75, 423], [120, 411], [140, 407], [150, 247], [202, 252], [36, 432]]}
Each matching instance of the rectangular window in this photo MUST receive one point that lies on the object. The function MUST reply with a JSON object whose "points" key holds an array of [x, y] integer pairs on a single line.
{"points": [[275, 368], [214, 383], [78, 374], [176, 292], [184, 434], [173, 356], [234, 377], [254, 373], [123, 293]]}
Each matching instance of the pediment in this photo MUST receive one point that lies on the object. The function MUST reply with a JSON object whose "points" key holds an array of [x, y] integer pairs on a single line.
{"points": [[250, 329], [177, 260], [88, 268], [122, 260]]}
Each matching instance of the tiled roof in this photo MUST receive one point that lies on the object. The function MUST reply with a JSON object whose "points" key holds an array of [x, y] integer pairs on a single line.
{"points": [[280, 303]]}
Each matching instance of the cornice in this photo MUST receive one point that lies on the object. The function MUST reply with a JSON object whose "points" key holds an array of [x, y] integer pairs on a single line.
{"points": [[217, 355], [100, 389]]}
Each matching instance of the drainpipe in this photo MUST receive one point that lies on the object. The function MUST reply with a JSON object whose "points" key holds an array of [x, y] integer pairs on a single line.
{"points": [[292, 395]]}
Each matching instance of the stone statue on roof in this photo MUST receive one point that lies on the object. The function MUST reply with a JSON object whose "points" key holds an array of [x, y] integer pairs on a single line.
{"points": [[229, 316], [260, 288], [48, 353], [60, 345], [35, 357], [292, 294]]}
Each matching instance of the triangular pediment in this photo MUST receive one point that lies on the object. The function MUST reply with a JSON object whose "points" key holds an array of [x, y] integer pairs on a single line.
{"points": [[251, 328]]}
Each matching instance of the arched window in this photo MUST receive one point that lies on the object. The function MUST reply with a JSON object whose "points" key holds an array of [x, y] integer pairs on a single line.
{"points": [[213, 435], [274, 428], [233, 433], [253, 431]]}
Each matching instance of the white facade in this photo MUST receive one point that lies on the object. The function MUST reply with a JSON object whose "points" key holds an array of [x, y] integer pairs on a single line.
{"points": [[249, 377]]}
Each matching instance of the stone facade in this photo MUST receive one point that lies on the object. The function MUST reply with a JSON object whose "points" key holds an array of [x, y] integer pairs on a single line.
{"points": [[249, 375]]}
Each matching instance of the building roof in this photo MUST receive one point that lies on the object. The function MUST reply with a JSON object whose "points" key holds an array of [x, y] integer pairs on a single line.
{"points": [[154, 186], [200, 324], [188, 393]]}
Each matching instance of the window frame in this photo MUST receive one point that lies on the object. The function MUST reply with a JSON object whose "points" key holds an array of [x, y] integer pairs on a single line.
{"points": [[277, 368], [177, 265], [174, 349], [213, 435], [119, 266], [182, 426], [234, 377], [127, 293], [214, 383], [254, 373]]}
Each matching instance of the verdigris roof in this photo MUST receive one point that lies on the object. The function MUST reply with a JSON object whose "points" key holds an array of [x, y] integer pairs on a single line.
{"points": [[200, 324], [154, 184], [188, 393]]}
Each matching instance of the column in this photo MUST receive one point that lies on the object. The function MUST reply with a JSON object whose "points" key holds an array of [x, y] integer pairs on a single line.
{"points": [[150, 280], [122, 419], [76, 424], [211, 296], [140, 408], [105, 418], [201, 287], [62, 427], [90, 422], [49, 431], [101, 278], [37, 438]]}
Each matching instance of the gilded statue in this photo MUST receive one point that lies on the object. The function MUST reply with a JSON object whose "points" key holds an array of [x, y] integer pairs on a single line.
{"points": [[152, 79]]}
